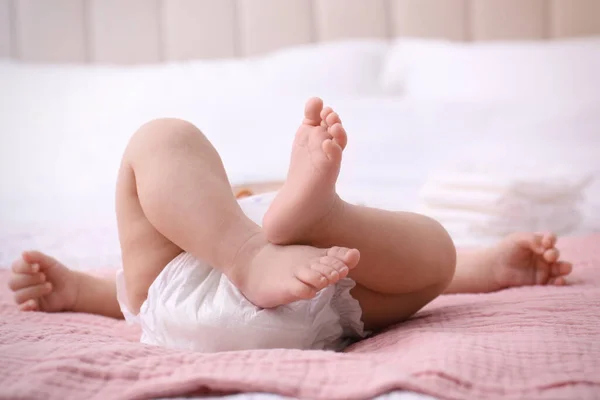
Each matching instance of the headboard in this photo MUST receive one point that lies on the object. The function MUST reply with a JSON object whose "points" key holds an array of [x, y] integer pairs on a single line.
{"points": [[150, 31]]}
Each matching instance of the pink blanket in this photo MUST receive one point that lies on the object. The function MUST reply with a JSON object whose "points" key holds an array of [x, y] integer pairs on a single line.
{"points": [[534, 343]]}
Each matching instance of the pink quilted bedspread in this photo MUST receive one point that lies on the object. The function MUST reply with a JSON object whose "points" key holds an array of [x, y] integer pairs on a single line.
{"points": [[534, 343]]}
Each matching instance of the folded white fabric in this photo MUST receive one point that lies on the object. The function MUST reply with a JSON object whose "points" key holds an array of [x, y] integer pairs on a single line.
{"points": [[545, 185], [561, 218], [561, 221], [487, 200], [506, 202]]}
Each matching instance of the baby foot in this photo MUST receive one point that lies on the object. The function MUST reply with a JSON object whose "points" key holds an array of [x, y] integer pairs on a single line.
{"points": [[525, 259], [270, 275], [308, 195], [40, 283]]}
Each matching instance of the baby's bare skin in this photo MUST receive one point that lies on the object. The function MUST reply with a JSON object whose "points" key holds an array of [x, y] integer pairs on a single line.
{"points": [[41, 283], [168, 158], [173, 196], [308, 194]]}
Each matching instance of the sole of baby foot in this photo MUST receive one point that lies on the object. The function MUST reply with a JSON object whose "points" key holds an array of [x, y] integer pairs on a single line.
{"points": [[308, 197], [270, 275]]}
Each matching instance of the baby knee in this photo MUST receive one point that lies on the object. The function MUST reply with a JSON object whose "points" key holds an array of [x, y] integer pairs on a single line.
{"points": [[164, 133], [170, 125], [445, 252]]}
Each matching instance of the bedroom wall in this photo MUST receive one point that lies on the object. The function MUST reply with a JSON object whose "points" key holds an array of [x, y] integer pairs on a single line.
{"points": [[148, 31]]}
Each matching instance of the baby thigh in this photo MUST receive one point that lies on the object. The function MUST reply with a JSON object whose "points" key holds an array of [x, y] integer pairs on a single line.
{"points": [[381, 310]]}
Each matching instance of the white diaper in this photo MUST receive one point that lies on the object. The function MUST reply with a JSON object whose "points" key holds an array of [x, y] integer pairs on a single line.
{"points": [[192, 306]]}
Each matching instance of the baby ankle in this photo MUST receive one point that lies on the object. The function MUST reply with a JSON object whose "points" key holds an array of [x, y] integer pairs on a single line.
{"points": [[237, 267], [322, 233]]}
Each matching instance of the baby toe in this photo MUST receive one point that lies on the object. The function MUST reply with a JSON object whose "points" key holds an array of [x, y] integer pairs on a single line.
{"points": [[337, 264], [312, 277], [312, 111], [332, 119], [328, 272], [349, 257], [325, 112], [338, 133]]}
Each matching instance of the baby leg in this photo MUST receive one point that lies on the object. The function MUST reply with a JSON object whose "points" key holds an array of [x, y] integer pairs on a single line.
{"points": [[410, 258], [173, 195], [520, 259], [406, 259]]}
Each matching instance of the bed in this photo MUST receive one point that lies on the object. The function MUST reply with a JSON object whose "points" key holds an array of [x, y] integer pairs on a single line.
{"points": [[79, 76]]}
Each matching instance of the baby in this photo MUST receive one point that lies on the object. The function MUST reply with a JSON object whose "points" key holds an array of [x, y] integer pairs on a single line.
{"points": [[320, 272]]}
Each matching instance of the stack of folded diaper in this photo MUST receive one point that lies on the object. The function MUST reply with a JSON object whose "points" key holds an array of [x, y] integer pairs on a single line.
{"points": [[484, 201]]}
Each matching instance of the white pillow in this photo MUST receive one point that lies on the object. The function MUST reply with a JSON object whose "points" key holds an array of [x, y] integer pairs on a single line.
{"points": [[325, 69], [496, 71], [339, 68]]}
